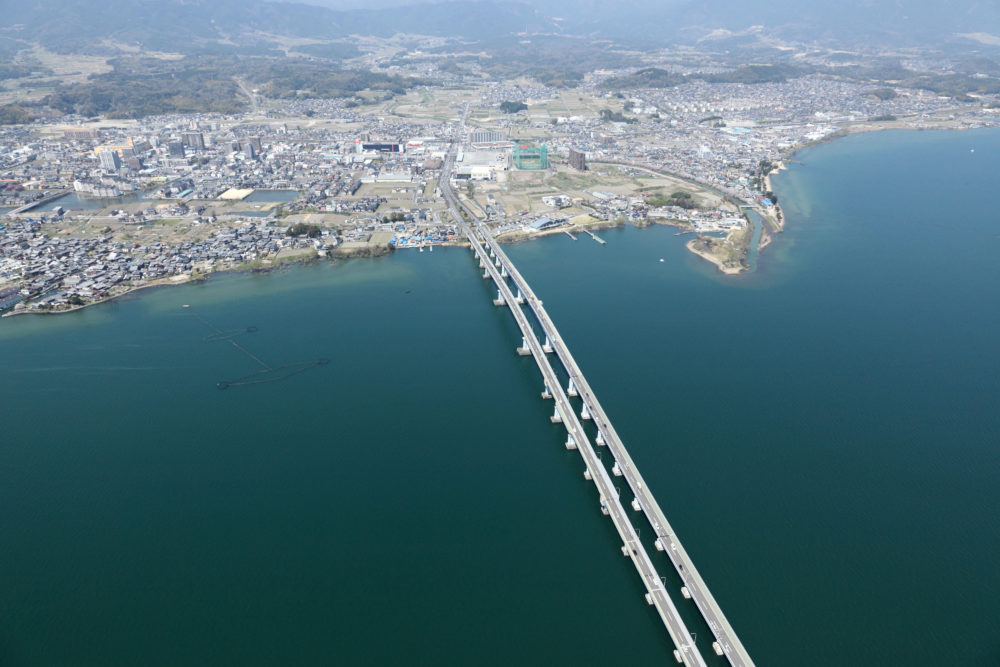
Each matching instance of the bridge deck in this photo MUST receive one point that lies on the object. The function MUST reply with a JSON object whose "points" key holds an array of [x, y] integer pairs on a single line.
{"points": [[599, 475], [702, 596], [731, 646]]}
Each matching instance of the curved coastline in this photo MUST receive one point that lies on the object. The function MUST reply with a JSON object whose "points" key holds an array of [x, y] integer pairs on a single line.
{"points": [[773, 224]]}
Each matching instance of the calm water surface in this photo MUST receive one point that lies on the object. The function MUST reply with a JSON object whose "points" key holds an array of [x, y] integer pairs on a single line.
{"points": [[822, 434], [73, 202]]}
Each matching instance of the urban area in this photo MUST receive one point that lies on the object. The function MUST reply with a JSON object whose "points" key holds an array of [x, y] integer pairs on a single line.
{"points": [[91, 210]]}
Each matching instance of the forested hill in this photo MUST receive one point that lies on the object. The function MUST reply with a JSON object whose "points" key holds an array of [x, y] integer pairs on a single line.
{"points": [[242, 26], [250, 26]]}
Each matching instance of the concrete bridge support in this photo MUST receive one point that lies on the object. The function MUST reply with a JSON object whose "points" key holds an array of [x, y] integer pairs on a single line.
{"points": [[524, 350]]}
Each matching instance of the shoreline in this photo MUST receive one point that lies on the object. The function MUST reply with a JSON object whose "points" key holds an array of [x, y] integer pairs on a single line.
{"points": [[727, 270], [514, 237], [776, 223]]}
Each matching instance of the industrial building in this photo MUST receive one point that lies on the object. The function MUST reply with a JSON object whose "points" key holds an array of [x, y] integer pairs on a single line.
{"points": [[110, 160], [195, 140], [481, 165], [487, 137]]}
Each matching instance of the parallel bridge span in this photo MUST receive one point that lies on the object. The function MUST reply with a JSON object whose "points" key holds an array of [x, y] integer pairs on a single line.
{"points": [[501, 269], [576, 438]]}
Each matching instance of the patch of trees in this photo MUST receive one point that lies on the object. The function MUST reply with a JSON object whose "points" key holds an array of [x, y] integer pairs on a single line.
{"points": [[301, 78], [655, 77], [882, 93], [302, 229], [329, 50], [882, 117], [615, 117], [680, 198], [512, 107], [560, 62], [15, 114], [650, 77], [12, 71], [139, 86], [755, 74]]}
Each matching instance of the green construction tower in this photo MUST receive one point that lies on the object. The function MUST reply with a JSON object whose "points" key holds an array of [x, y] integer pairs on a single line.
{"points": [[526, 157]]}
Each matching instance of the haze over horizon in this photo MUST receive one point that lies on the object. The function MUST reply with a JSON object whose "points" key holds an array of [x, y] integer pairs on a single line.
{"points": [[856, 23]]}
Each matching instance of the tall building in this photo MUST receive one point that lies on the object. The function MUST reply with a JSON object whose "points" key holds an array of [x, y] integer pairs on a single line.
{"points": [[255, 142], [175, 149], [194, 140], [110, 160], [577, 159]]}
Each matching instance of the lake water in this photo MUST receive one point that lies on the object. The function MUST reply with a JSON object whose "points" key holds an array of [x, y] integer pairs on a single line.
{"points": [[822, 434], [272, 195], [72, 202]]}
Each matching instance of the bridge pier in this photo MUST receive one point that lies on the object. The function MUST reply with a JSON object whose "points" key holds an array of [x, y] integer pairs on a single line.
{"points": [[520, 297], [586, 474], [585, 413], [616, 469], [547, 347], [524, 350], [571, 389], [499, 300], [556, 418], [503, 271], [659, 545], [486, 273], [600, 439], [604, 508], [635, 505], [570, 441], [482, 264], [546, 393]]}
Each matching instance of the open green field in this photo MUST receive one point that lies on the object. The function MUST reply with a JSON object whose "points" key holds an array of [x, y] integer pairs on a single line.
{"points": [[440, 104]]}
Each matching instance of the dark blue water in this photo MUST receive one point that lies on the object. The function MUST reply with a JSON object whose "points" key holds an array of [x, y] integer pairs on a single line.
{"points": [[822, 434]]}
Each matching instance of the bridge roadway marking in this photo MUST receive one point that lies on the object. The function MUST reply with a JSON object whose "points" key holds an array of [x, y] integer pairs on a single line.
{"points": [[731, 646], [609, 497], [703, 598]]}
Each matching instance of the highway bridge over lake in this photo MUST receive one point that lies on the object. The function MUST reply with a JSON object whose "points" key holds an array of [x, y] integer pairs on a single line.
{"points": [[513, 291]]}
